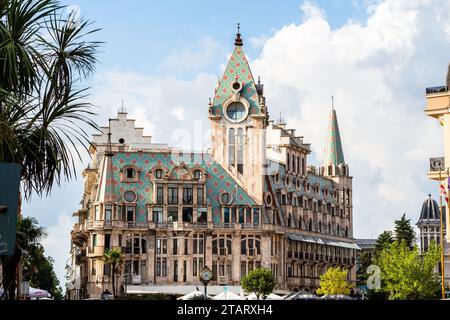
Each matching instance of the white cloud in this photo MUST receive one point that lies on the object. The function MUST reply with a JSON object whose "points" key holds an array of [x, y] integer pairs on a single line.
{"points": [[57, 245], [178, 113], [194, 56], [377, 73]]}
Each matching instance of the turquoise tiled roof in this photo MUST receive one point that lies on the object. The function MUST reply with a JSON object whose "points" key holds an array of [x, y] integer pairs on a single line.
{"points": [[218, 180], [333, 153], [237, 67]]}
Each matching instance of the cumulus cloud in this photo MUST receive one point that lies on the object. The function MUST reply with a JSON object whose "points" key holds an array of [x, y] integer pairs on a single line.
{"points": [[377, 72]]}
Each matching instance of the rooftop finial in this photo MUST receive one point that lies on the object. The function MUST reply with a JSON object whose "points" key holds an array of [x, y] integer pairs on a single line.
{"points": [[108, 146], [332, 102], [238, 40], [259, 79], [122, 108]]}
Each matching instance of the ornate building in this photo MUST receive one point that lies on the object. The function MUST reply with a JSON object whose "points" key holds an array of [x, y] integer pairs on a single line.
{"points": [[429, 224], [252, 201]]}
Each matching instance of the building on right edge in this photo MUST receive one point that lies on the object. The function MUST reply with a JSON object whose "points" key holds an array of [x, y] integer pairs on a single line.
{"points": [[438, 107]]}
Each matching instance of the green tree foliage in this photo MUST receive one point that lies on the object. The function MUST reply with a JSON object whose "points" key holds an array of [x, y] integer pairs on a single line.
{"points": [[116, 260], [44, 57], [404, 231], [260, 281], [405, 274], [365, 260], [384, 240], [334, 281], [38, 269], [29, 234]]}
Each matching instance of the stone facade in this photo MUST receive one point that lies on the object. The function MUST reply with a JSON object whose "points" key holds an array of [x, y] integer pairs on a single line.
{"points": [[253, 201]]}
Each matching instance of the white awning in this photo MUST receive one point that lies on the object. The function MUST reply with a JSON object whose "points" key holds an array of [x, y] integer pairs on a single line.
{"points": [[179, 290], [317, 240]]}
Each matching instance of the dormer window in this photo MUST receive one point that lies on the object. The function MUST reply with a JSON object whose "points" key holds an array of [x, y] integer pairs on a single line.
{"points": [[129, 173]]}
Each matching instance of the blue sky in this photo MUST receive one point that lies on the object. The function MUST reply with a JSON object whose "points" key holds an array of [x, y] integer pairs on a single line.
{"points": [[163, 58]]}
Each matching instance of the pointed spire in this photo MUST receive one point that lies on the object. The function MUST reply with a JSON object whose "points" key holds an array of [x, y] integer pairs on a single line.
{"points": [[107, 175], [238, 40], [333, 153]]}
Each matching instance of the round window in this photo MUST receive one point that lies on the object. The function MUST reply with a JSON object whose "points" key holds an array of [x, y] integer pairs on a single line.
{"points": [[129, 196], [225, 198], [236, 86], [122, 140], [236, 111], [268, 200]]}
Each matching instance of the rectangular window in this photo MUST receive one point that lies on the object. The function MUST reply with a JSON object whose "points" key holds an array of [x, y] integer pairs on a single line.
{"points": [[255, 215], [160, 195], [108, 212], [106, 269], [107, 241], [226, 215], [194, 245], [187, 214], [214, 271], [158, 267], [172, 215], [136, 267], [130, 213], [194, 267], [157, 215], [200, 197], [94, 271], [97, 213], [175, 270], [175, 246], [172, 195], [120, 240], [241, 215], [200, 263], [202, 215], [143, 246], [136, 248], [164, 267], [158, 246], [248, 215], [184, 270], [187, 195], [94, 240], [233, 215], [200, 246], [164, 247], [243, 269], [186, 243]]}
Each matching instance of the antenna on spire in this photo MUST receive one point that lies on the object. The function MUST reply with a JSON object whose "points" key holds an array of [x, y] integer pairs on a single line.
{"points": [[122, 108], [259, 79], [238, 40], [332, 102]]}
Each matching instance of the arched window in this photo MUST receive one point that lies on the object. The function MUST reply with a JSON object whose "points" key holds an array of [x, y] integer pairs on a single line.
{"points": [[320, 226], [231, 147], [329, 227], [338, 230], [240, 151], [425, 243], [303, 166], [298, 164], [310, 225]]}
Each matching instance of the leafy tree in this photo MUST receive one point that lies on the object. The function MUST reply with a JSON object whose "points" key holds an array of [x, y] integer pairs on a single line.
{"points": [[43, 57], [260, 281], [115, 259], [405, 274], [42, 273], [404, 231], [365, 260], [383, 241], [334, 281], [29, 234]]}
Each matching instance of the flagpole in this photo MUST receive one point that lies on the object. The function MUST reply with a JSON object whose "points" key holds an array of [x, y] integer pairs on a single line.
{"points": [[442, 238]]}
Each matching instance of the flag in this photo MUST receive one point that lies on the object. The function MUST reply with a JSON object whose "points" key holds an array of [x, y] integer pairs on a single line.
{"points": [[443, 190]]}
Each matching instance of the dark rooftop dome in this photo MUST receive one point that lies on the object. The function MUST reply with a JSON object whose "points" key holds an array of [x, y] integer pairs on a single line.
{"points": [[430, 212]]}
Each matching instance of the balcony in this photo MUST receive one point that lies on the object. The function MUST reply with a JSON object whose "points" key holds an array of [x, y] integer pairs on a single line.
{"points": [[137, 224], [437, 89]]}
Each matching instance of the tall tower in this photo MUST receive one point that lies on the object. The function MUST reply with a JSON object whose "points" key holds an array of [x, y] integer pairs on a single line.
{"points": [[334, 167], [238, 120]]}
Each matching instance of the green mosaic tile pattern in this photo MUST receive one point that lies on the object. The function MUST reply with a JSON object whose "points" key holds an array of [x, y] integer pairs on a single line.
{"points": [[237, 67], [333, 153], [218, 180]]}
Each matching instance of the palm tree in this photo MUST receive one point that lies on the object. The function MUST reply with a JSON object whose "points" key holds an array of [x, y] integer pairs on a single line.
{"points": [[44, 56], [29, 234], [44, 116], [115, 259]]}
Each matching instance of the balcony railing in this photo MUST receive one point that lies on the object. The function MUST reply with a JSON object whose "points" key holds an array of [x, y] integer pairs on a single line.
{"points": [[437, 89], [137, 224]]}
